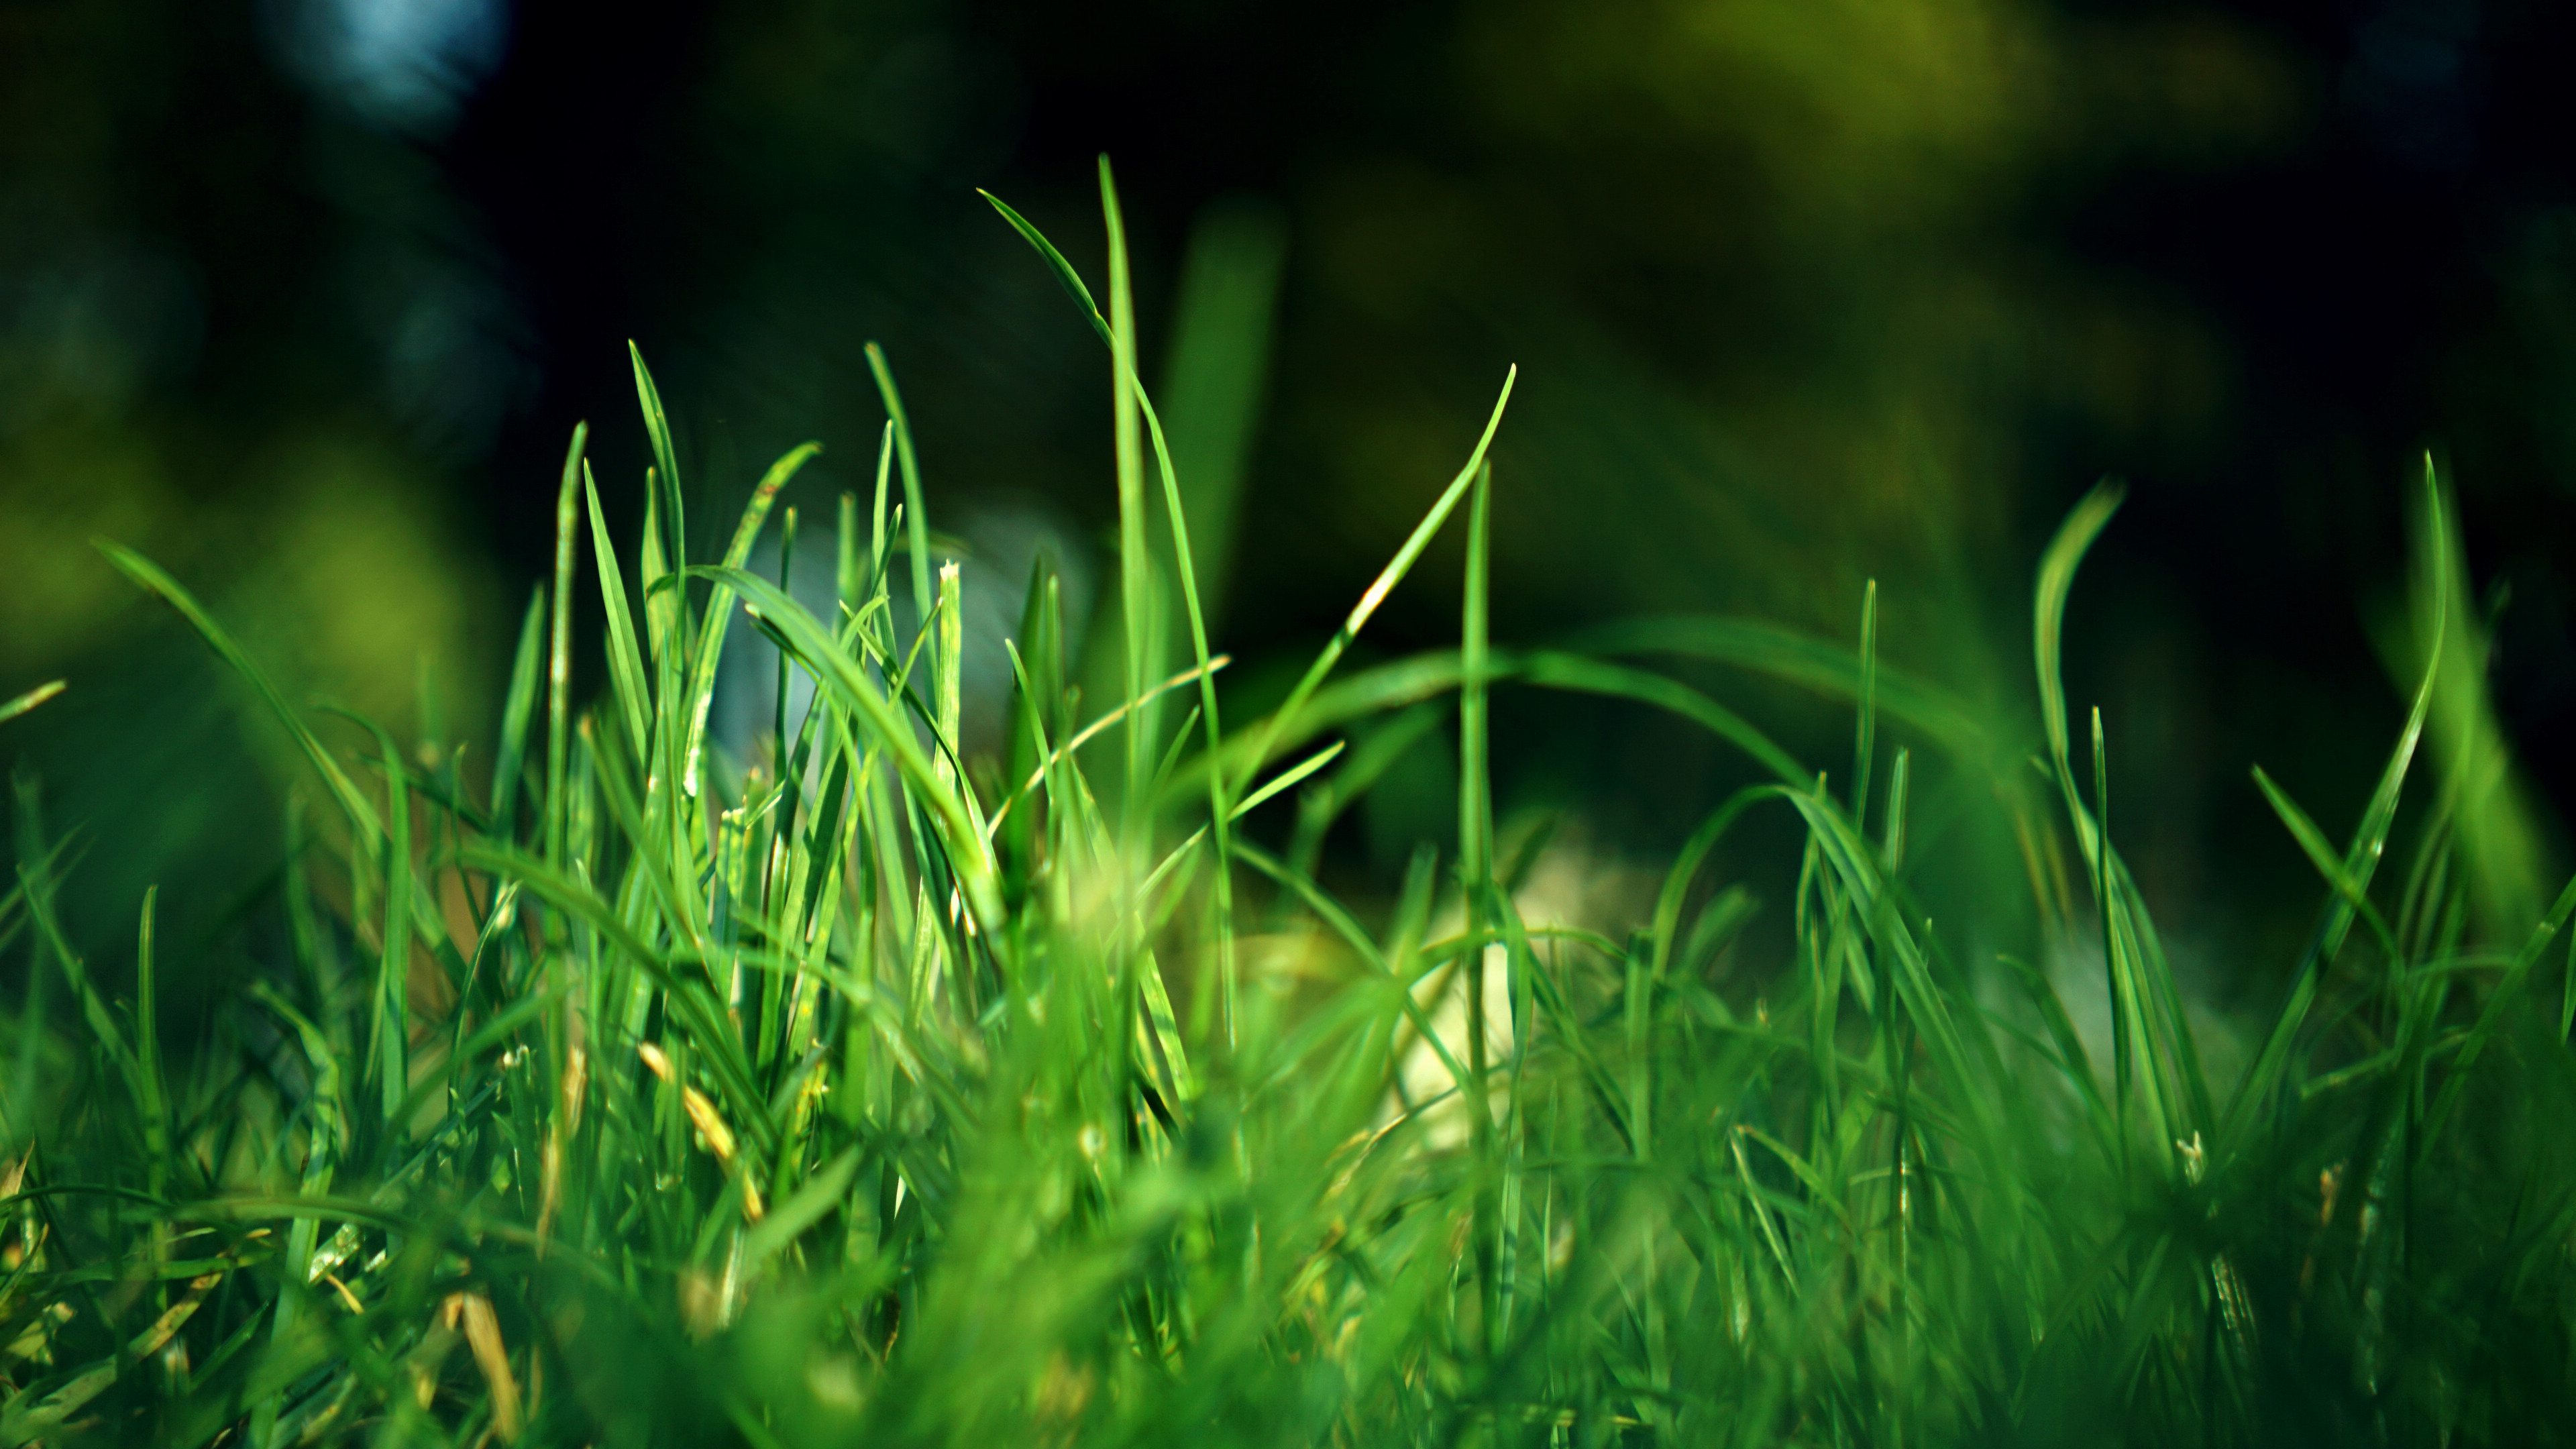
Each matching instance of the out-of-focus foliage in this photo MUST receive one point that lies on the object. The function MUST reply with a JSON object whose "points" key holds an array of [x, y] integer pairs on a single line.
{"points": [[1804, 291]]}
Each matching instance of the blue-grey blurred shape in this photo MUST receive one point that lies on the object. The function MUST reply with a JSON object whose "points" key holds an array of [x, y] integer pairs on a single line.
{"points": [[404, 65], [999, 541]]}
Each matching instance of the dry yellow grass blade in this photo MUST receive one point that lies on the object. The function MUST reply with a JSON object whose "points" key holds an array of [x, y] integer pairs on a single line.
{"points": [[483, 1336], [711, 1126], [713, 1134]]}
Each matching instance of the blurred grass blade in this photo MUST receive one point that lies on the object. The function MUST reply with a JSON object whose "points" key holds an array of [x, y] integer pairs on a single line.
{"points": [[1803, 659], [1287, 778], [31, 699], [150, 1079], [559, 645], [160, 585], [2056, 579], [518, 707], [2494, 819], [39, 899], [1866, 727], [2338, 874], [1135, 564], [1214, 384]]}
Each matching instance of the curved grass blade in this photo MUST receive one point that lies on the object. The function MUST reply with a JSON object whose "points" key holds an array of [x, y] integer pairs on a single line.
{"points": [[2056, 579], [1800, 658], [160, 585], [915, 516], [711, 635]]}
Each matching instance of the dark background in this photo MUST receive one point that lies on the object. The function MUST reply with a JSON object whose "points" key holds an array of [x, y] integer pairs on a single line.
{"points": [[304, 297]]}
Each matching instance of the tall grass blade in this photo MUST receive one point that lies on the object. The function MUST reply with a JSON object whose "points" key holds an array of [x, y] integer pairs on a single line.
{"points": [[559, 646], [916, 515], [518, 708], [711, 636]]}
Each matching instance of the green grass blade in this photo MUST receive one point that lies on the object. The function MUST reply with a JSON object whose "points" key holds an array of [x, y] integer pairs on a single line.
{"points": [[559, 646], [1287, 778], [2338, 875], [38, 895], [31, 699], [916, 516], [1817, 664], [518, 707], [1574, 673], [657, 427], [2494, 825], [1866, 728], [1686, 864], [625, 661], [1475, 788], [2361, 860], [1065, 276], [818, 1195], [1134, 582], [2056, 579], [1384, 584], [150, 1079], [144, 573]]}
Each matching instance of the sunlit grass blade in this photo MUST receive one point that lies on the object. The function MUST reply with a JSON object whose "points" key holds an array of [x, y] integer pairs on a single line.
{"points": [[1288, 778], [657, 430], [1378, 589], [31, 699], [916, 517], [702, 675]]}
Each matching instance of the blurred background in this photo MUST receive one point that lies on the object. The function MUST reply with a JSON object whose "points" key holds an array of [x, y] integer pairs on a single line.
{"points": [[303, 297]]}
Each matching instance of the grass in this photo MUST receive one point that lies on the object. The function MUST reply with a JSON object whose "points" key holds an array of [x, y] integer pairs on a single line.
{"points": [[867, 1094]]}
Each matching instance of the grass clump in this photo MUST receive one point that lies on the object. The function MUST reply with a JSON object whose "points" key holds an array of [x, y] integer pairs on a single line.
{"points": [[862, 1096]]}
